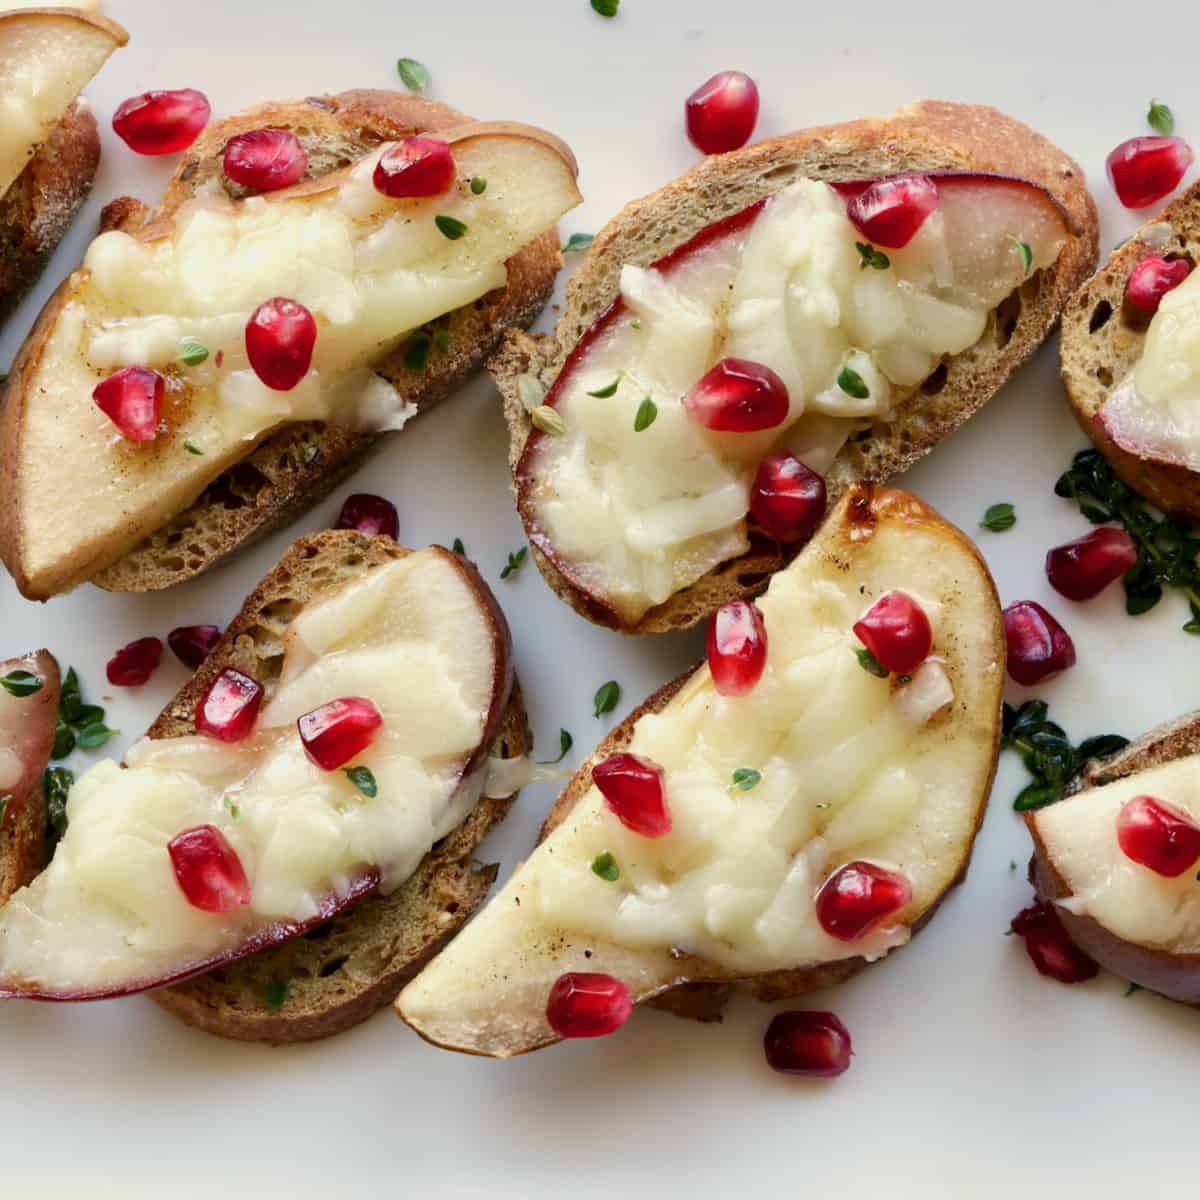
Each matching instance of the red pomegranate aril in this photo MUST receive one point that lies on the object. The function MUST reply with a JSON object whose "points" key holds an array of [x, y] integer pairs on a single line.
{"points": [[787, 499], [1152, 279], [417, 166], [1083, 568], [192, 644], [265, 159], [162, 122], [721, 112], [890, 211], [338, 731], [1145, 169], [896, 631], [1038, 646], [133, 665], [811, 1043], [280, 337], [369, 514], [1158, 836], [738, 396], [584, 1004], [857, 897], [208, 870], [1050, 947], [230, 706], [132, 400], [737, 647], [632, 786]]}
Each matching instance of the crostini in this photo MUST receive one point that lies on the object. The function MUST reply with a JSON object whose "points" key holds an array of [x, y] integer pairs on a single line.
{"points": [[774, 820], [219, 364], [49, 143], [326, 768], [831, 303]]}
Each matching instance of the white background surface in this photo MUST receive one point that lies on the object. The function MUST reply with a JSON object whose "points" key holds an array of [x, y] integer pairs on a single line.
{"points": [[973, 1075]]}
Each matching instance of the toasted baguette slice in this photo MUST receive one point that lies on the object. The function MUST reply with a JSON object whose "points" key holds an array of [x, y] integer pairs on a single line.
{"points": [[37, 207], [930, 136], [295, 468], [486, 993], [1102, 339]]}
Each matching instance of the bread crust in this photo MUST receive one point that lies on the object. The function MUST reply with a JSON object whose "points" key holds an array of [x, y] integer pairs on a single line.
{"points": [[928, 136], [1102, 340]]}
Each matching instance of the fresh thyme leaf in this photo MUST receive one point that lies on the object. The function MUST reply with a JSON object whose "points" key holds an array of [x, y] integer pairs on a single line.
{"points": [[1024, 252], [21, 683], [606, 867], [414, 75], [443, 339], [606, 8], [363, 778], [606, 697], [852, 383], [744, 778], [459, 548], [608, 389], [192, 352], [92, 737], [577, 243], [234, 811], [1047, 752], [451, 227], [276, 994], [565, 742], [998, 518], [192, 448], [872, 257], [4, 803], [416, 354], [56, 784], [1160, 118], [515, 562], [1167, 551], [646, 413], [78, 724], [870, 663]]}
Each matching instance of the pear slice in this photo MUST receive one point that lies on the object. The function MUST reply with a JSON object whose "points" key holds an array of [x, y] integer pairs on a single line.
{"points": [[28, 711], [47, 57], [370, 269], [851, 767], [421, 637]]}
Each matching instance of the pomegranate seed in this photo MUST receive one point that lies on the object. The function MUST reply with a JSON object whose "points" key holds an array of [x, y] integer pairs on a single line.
{"points": [[230, 706], [738, 396], [339, 731], [1152, 279], [265, 159], [816, 1044], [896, 631], [583, 1004], [787, 499], [132, 665], [890, 211], [1083, 568], [632, 786], [1038, 646], [1050, 947], [369, 514], [1158, 835], [162, 122], [417, 166], [209, 872], [856, 897], [721, 112], [132, 399], [192, 644], [737, 647], [280, 337], [1145, 169]]}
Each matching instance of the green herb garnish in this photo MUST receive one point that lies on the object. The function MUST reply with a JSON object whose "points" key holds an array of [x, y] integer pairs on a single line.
{"points": [[606, 8], [636, 323], [451, 227], [191, 352], [459, 548], [606, 867], [478, 185], [548, 420], [609, 389], [231, 805], [192, 448], [851, 382], [870, 663], [56, 784], [565, 742], [577, 243], [998, 518], [276, 994], [92, 737], [22, 683], [4, 803], [871, 257], [646, 413], [1166, 549], [744, 778], [363, 779], [78, 724], [414, 75], [443, 339], [515, 562], [1047, 752], [1024, 252], [420, 347], [1160, 118], [606, 697], [1133, 987]]}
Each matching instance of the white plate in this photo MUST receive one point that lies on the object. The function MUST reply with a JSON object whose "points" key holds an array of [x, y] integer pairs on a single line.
{"points": [[972, 1074]]}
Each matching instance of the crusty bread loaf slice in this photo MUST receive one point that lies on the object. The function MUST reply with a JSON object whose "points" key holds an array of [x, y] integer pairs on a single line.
{"points": [[929, 136], [294, 469], [1102, 339]]}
